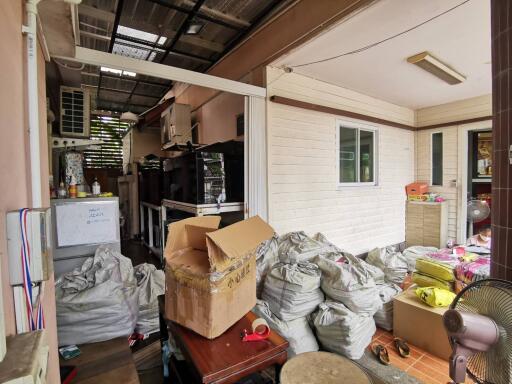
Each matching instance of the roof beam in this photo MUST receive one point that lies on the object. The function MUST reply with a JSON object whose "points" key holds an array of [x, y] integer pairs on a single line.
{"points": [[205, 10], [106, 89], [199, 15], [95, 36], [182, 28], [148, 82], [154, 47], [162, 71], [96, 13]]}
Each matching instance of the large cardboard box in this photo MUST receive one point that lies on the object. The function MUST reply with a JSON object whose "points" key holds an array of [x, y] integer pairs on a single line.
{"points": [[210, 273], [420, 324]]}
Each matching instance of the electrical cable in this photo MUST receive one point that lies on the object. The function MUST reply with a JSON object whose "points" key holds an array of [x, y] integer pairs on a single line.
{"points": [[366, 47]]}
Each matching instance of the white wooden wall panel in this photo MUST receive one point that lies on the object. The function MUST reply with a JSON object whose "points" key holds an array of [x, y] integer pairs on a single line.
{"points": [[303, 193], [459, 110], [301, 163], [450, 169], [256, 157]]}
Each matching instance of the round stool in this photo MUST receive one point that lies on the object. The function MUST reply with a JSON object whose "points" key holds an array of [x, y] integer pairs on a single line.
{"points": [[322, 368]]}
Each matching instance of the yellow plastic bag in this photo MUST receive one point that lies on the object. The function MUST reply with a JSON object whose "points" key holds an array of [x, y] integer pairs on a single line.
{"points": [[435, 297], [429, 281], [436, 269]]}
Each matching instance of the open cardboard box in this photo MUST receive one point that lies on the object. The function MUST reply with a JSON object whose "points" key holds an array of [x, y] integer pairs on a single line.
{"points": [[210, 273]]}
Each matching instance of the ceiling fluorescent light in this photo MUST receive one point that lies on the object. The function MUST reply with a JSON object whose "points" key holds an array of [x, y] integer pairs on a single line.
{"points": [[194, 27], [111, 70], [436, 67], [118, 72]]}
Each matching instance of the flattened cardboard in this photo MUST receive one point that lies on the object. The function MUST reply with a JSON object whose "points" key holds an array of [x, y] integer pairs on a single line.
{"points": [[420, 325], [211, 277]]}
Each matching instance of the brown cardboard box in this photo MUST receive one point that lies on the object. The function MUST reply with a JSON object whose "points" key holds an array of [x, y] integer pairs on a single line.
{"points": [[420, 324], [210, 274]]}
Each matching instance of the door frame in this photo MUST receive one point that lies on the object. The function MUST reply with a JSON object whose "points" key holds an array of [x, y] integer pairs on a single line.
{"points": [[463, 132]]}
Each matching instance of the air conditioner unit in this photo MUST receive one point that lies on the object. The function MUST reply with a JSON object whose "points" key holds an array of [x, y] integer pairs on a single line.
{"points": [[75, 106], [176, 127]]}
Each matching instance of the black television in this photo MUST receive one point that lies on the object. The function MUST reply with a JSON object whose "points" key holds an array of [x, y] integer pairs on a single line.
{"points": [[207, 175]]}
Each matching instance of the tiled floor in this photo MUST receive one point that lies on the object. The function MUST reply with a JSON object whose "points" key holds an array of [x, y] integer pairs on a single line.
{"points": [[422, 365]]}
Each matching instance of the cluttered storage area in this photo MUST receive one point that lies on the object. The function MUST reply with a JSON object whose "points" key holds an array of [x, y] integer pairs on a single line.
{"points": [[253, 224]]}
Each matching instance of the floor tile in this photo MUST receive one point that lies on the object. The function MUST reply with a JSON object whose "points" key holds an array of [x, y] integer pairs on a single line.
{"points": [[422, 376], [441, 375], [434, 363]]}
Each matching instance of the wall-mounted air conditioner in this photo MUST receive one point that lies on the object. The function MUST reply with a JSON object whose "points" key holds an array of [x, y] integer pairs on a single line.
{"points": [[175, 125], [75, 110]]}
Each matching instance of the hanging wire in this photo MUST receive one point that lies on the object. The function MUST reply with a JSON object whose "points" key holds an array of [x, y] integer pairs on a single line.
{"points": [[366, 47]]}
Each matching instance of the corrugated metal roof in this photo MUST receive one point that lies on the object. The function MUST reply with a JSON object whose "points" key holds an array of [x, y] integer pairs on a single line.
{"points": [[153, 30]]}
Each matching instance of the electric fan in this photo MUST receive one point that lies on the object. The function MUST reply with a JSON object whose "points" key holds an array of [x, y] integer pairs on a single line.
{"points": [[478, 210], [479, 326]]}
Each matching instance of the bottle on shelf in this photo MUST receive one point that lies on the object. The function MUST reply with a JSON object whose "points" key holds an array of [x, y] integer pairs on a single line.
{"points": [[62, 192], [96, 188], [72, 187]]}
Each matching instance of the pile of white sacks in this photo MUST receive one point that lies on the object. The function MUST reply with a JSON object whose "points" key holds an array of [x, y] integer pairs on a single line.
{"points": [[307, 286]]}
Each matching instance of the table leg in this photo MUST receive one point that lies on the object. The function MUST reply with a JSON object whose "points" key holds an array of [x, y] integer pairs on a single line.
{"points": [[277, 369]]}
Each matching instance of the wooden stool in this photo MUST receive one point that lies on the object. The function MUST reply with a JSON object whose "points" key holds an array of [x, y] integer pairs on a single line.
{"points": [[322, 368]]}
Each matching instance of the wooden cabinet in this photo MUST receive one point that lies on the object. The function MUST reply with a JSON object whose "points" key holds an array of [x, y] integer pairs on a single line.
{"points": [[426, 224]]}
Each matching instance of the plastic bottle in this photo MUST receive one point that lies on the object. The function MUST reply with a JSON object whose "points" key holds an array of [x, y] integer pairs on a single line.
{"points": [[62, 193], [96, 188], [72, 188]]}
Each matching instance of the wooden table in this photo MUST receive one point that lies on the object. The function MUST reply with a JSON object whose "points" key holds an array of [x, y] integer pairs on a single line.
{"points": [[227, 358], [106, 362]]}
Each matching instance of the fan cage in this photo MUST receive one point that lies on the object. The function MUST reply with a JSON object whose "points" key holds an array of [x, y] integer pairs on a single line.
{"points": [[492, 298]]}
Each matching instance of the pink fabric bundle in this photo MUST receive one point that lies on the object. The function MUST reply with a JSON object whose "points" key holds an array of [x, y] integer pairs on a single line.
{"points": [[469, 272]]}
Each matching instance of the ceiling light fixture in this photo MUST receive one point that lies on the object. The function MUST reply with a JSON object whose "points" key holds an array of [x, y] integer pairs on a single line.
{"points": [[129, 117], [118, 72], [436, 67], [194, 27]]}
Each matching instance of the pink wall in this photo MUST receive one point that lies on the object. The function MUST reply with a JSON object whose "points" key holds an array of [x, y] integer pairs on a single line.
{"points": [[217, 118], [14, 157]]}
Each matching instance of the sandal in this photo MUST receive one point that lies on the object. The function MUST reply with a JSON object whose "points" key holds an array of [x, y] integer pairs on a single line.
{"points": [[382, 353], [402, 347]]}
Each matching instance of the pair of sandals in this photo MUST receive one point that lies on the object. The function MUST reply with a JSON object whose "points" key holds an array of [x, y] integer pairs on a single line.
{"points": [[381, 352]]}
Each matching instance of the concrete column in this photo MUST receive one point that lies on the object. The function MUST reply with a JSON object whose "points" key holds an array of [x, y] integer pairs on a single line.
{"points": [[501, 33]]}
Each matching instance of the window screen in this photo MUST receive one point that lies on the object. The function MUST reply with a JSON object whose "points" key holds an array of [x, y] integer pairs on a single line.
{"points": [[437, 158], [110, 154]]}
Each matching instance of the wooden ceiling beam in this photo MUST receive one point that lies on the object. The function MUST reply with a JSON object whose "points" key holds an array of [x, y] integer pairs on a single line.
{"points": [[290, 28]]}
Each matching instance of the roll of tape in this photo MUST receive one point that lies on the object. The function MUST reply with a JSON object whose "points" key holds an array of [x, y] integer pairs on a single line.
{"points": [[260, 327], [260, 331]]}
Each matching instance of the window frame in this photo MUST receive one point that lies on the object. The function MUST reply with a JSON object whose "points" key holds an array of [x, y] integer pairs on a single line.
{"points": [[358, 127], [432, 159]]}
